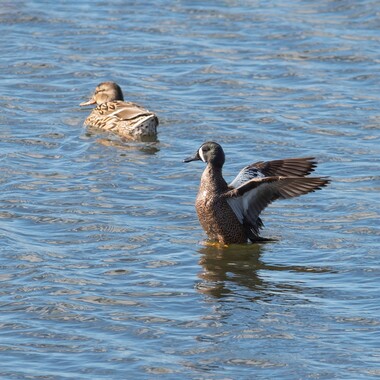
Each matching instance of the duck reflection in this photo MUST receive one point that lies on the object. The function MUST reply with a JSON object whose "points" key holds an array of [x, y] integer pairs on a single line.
{"points": [[148, 145], [231, 270], [224, 268]]}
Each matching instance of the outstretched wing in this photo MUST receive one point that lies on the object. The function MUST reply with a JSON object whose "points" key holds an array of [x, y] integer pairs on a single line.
{"points": [[287, 167], [250, 199]]}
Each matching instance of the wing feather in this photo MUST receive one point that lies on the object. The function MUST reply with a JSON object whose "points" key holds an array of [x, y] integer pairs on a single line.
{"points": [[250, 199], [123, 110], [288, 167]]}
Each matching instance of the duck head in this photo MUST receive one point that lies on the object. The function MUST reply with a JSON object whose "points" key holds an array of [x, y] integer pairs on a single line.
{"points": [[105, 92], [210, 152]]}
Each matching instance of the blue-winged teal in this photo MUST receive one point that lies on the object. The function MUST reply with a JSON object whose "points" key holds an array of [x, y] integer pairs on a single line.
{"points": [[113, 114], [230, 213]]}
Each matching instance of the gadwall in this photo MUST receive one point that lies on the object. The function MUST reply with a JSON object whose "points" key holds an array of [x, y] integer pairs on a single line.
{"points": [[113, 114]]}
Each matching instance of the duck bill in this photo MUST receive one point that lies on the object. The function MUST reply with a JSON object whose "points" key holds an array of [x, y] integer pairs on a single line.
{"points": [[88, 103], [192, 158]]}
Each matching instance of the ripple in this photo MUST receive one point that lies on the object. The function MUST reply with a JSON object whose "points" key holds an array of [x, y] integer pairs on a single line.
{"points": [[108, 301], [102, 264]]}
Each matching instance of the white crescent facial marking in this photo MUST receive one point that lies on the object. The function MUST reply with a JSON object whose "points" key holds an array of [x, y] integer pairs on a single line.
{"points": [[201, 154]]}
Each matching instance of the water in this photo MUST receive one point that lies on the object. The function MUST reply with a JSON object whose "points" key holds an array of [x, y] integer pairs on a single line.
{"points": [[103, 270]]}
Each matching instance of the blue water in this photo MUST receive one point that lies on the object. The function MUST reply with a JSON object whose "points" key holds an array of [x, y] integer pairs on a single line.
{"points": [[103, 268]]}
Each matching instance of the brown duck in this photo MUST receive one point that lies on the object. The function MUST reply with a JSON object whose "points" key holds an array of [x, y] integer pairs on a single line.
{"points": [[113, 114], [230, 213]]}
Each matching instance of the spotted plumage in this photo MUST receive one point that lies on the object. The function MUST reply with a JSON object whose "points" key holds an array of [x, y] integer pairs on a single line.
{"points": [[113, 114], [230, 213]]}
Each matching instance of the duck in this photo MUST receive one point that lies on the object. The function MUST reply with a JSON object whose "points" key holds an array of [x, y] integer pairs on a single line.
{"points": [[230, 213], [112, 113]]}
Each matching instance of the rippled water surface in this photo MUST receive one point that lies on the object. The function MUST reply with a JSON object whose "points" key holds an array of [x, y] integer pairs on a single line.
{"points": [[103, 268]]}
